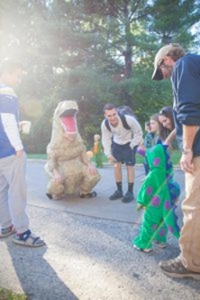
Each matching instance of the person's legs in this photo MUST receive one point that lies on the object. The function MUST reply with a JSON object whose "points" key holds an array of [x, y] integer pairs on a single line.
{"points": [[130, 173], [128, 197], [118, 179], [151, 225], [160, 237], [5, 219], [15, 176], [190, 234], [187, 265], [118, 171], [117, 151], [129, 158]]}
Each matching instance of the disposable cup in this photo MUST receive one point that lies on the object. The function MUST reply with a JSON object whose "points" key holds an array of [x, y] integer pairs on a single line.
{"points": [[26, 127]]}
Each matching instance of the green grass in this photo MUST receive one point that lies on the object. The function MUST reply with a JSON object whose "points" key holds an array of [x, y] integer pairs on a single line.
{"points": [[175, 157], [9, 295], [36, 156]]}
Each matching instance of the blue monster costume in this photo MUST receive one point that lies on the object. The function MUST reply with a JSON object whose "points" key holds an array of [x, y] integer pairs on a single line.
{"points": [[157, 196]]}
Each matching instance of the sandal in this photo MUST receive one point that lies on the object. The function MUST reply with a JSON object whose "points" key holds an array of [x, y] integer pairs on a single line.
{"points": [[89, 195], [28, 239], [7, 231]]}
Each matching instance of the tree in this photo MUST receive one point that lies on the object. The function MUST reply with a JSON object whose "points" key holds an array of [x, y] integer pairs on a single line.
{"points": [[94, 52]]}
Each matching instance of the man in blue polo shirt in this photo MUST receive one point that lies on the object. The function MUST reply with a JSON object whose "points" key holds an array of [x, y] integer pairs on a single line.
{"points": [[184, 70]]}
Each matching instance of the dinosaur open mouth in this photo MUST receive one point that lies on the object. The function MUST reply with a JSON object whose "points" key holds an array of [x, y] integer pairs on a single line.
{"points": [[69, 124]]}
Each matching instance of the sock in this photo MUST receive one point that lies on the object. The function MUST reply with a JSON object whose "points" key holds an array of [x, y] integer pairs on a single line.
{"points": [[24, 233], [119, 186], [130, 187]]}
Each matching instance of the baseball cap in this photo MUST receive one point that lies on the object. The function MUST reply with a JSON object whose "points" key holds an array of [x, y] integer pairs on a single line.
{"points": [[164, 51]]}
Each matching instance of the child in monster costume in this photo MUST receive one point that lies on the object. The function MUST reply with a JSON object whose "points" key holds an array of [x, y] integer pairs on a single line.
{"points": [[158, 195]]}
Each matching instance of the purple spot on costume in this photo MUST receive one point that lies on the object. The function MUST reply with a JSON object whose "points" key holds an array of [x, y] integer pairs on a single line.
{"points": [[156, 161], [167, 204], [155, 201], [149, 190]]}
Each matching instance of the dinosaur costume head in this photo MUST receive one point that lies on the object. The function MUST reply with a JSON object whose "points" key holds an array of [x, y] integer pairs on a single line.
{"points": [[65, 116]]}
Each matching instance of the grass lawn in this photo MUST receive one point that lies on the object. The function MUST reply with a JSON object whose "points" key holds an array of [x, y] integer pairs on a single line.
{"points": [[9, 295], [36, 156], [175, 156]]}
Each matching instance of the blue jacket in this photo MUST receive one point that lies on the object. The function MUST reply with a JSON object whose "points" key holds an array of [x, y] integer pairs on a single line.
{"points": [[186, 90]]}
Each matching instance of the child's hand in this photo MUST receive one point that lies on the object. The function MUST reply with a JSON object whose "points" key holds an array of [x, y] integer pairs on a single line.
{"points": [[139, 207], [141, 151]]}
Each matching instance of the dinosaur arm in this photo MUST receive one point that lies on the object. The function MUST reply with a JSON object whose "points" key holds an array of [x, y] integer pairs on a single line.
{"points": [[84, 157], [88, 164]]}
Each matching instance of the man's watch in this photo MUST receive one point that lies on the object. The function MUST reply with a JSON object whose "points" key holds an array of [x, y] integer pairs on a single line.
{"points": [[186, 151]]}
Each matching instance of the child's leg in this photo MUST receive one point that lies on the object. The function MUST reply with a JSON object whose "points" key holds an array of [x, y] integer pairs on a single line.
{"points": [[150, 224], [170, 218], [161, 233]]}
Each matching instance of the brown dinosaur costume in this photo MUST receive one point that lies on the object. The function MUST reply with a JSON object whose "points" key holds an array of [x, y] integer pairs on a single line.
{"points": [[67, 164]]}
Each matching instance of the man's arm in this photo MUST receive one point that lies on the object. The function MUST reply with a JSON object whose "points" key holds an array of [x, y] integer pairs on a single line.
{"points": [[171, 137], [11, 129], [106, 139], [136, 130], [189, 133]]}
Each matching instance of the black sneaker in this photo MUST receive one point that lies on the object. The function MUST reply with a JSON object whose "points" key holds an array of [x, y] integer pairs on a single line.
{"points": [[175, 268], [117, 195], [128, 197]]}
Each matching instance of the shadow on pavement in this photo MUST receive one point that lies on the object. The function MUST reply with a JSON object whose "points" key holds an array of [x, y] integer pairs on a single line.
{"points": [[36, 276]]}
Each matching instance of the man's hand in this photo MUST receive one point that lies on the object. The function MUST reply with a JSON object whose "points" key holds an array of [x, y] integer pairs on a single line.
{"points": [[19, 153], [186, 162], [111, 159], [139, 207]]}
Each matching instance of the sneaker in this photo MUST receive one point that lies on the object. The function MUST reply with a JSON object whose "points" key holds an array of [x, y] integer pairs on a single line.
{"points": [[7, 231], [142, 250], [117, 195], [128, 197], [160, 245], [175, 268]]}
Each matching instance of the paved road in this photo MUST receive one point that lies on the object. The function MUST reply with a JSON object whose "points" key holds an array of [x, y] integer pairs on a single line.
{"points": [[89, 254]]}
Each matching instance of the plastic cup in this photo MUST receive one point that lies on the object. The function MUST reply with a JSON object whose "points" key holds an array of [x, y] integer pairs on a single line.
{"points": [[26, 127]]}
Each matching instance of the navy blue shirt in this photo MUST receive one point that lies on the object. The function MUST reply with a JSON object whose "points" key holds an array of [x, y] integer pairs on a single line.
{"points": [[186, 89]]}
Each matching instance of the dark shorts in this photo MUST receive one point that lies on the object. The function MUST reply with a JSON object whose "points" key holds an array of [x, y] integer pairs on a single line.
{"points": [[124, 153]]}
